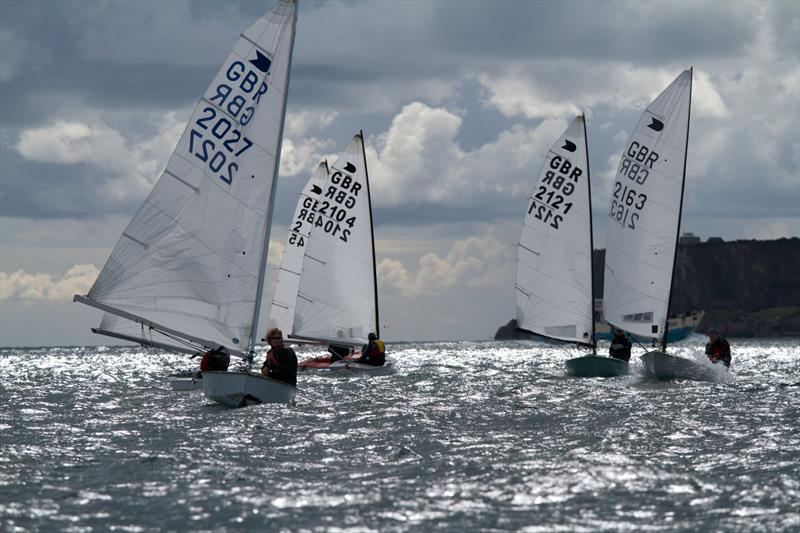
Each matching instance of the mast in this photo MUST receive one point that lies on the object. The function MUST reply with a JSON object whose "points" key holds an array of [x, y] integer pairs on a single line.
{"points": [[262, 270], [372, 235], [591, 232], [680, 214]]}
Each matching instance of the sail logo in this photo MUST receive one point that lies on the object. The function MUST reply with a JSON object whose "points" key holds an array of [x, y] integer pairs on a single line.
{"points": [[261, 62], [569, 146], [655, 124]]}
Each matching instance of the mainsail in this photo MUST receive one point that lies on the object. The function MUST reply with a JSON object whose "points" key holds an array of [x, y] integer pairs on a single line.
{"points": [[281, 312], [337, 298], [554, 253], [644, 216], [191, 262]]}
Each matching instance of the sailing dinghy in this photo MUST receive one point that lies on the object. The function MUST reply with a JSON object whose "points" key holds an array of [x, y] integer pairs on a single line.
{"points": [[281, 312], [189, 268], [337, 297], [643, 228], [554, 255]]}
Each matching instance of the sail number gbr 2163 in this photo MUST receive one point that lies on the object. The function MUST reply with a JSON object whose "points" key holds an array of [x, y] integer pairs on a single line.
{"points": [[627, 203], [549, 202]]}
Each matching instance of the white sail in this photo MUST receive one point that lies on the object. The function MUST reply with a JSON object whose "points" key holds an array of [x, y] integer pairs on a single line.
{"points": [[336, 301], [281, 312], [190, 261], [644, 215], [554, 253]]}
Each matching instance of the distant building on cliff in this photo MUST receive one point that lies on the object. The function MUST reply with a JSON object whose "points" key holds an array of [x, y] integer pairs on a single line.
{"points": [[689, 238]]}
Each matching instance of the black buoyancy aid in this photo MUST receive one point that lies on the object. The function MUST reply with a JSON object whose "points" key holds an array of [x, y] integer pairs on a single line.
{"points": [[215, 360], [282, 364]]}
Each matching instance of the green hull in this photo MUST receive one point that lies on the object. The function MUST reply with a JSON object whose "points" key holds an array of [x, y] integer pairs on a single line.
{"points": [[593, 366]]}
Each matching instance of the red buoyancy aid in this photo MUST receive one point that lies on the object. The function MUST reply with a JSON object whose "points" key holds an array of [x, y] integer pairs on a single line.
{"points": [[719, 350]]}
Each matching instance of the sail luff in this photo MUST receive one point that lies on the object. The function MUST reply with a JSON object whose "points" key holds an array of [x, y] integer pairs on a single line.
{"points": [[372, 235], [591, 232], [680, 214], [262, 271]]}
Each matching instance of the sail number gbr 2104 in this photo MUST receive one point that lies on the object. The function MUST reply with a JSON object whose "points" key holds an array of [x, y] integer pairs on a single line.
{"points": [[334, 212], [549, 201]]}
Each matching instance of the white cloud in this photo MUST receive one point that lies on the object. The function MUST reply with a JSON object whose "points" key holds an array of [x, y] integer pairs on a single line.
{"points": [[21, 285], [302, 156], [477, 261], [309, 121], [132, 166], [419, 160], [561, 89]]}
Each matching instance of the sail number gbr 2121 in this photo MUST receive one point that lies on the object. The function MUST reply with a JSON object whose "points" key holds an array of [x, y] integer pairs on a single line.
{"points": [[549, 202]]}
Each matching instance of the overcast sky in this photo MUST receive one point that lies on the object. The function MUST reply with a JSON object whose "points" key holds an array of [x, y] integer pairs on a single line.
{"points": [[459, 101]]}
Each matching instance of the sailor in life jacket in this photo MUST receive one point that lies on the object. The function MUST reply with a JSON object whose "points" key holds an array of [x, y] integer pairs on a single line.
{"points": [[373, 353], [216, 360], [718, 348], [281, 362], [620, 346]]}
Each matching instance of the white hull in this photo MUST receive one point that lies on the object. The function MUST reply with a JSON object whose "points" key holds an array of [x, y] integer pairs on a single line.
{"points": [[345, 367], [239, 389], [659, 365], [185, 383]]}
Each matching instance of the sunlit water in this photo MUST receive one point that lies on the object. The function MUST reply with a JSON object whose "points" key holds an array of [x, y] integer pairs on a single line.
{"points": [[466, 436]]}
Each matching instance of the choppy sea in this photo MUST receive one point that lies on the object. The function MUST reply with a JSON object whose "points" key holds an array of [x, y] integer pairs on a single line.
{"points": [[467, 436]]}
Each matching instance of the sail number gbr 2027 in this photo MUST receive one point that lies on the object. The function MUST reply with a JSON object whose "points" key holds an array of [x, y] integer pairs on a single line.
{"points": [[215, 137], [549, 201], [333, 212], [627, 203]]}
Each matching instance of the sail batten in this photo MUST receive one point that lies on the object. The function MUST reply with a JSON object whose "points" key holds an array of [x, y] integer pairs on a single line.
{"points": [[644, 215], [191, 259], [554, 260]]}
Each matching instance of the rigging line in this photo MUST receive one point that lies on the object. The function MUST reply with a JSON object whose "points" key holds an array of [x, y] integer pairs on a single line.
{"points": [[150, 349]]}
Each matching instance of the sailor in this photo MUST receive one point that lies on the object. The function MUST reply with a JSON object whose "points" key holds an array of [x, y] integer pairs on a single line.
{"points": [[374, 353], [718, 348], [216, 360], [620, 346], [281, 362]]}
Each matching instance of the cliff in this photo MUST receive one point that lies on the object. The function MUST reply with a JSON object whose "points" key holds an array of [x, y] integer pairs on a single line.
{"points": [[747, 288]]}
